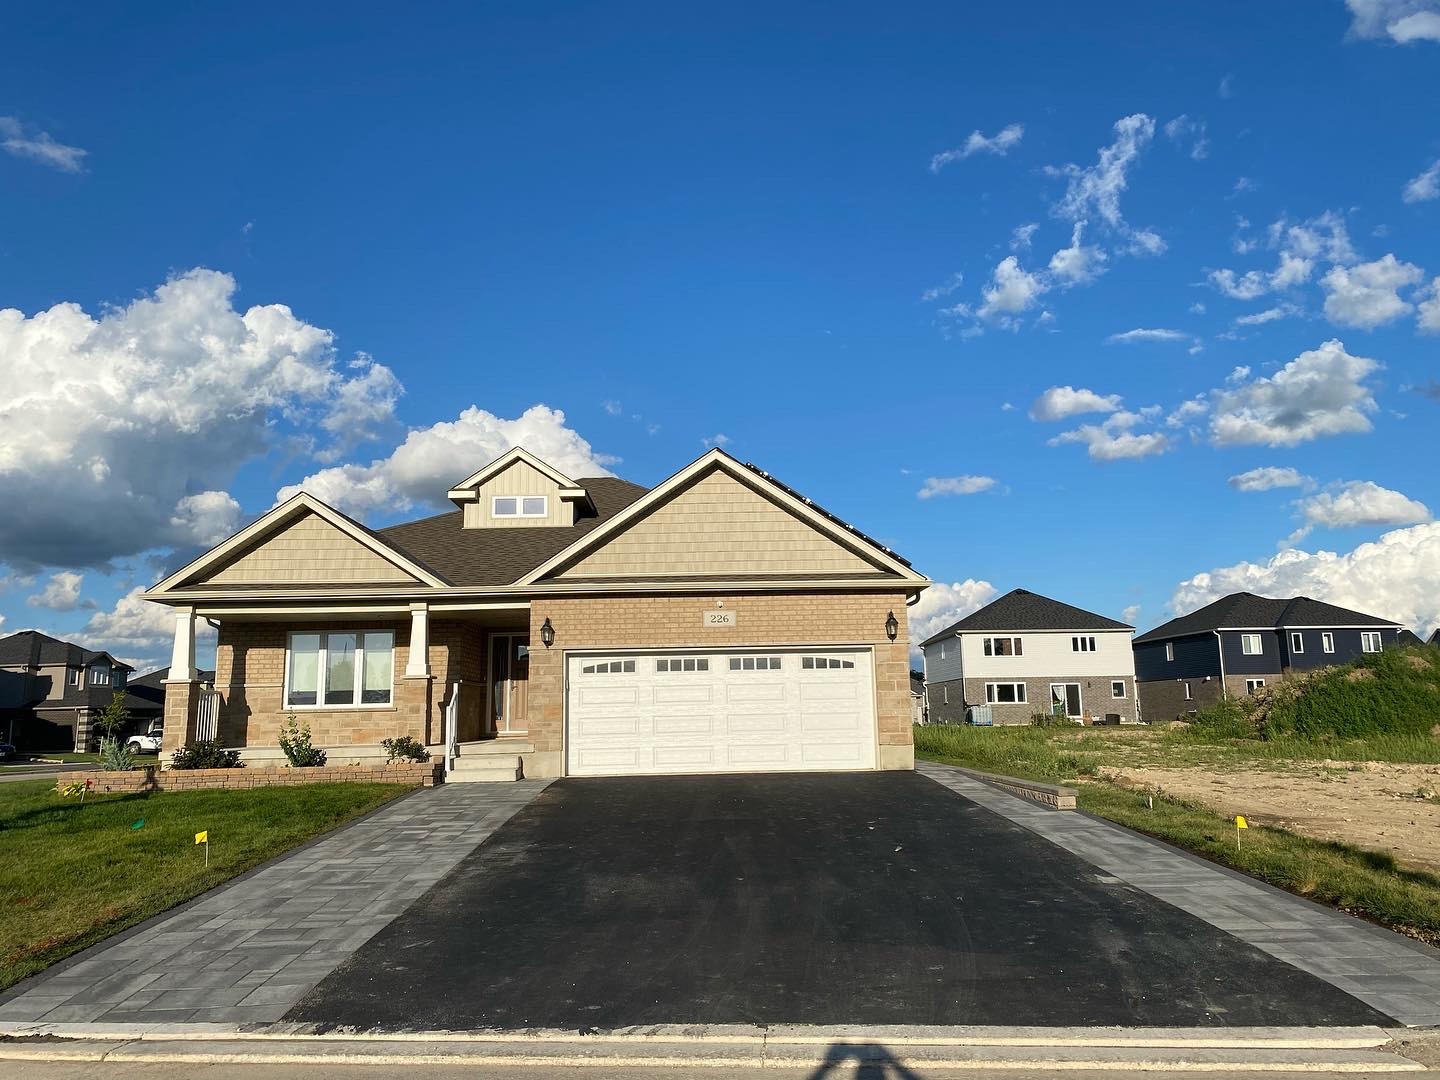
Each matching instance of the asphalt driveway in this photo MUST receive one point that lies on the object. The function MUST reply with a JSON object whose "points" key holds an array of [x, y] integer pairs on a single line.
{"points": [[875, 898]]}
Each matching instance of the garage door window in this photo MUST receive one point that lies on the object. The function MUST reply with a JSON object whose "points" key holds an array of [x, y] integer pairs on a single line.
{"points": [[682, 663], [609, 667], [755, 663], [820, 663]]}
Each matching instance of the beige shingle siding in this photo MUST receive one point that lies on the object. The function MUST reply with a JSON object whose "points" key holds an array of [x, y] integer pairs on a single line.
{"points": [[308, 551], [519, 479], [716, 527]]}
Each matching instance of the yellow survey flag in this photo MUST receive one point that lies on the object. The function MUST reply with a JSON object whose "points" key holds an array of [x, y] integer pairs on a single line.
{"points": [[1240, 822], [202, 837]]}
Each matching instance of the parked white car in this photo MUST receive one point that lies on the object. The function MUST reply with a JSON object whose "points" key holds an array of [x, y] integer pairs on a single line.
{"points": [[148, 743]]}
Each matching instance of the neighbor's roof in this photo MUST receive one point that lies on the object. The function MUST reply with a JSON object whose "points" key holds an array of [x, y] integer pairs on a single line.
{"points": [[34, 649], [1243, 611], [1025, 610], [501, 556]]}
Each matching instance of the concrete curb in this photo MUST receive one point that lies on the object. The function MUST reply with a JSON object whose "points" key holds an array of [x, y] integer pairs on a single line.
{"points": [[1052, 796]]}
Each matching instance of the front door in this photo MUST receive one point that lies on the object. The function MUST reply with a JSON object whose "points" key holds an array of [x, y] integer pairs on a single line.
{"points": [[509, 682], [1065, 700]]}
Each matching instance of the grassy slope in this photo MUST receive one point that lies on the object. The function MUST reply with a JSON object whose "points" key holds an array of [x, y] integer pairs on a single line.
{"points": [[1365, 883], [71, 874]]}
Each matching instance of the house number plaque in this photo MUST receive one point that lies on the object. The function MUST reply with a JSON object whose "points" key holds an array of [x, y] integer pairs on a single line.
{"points": [[717, 617]]}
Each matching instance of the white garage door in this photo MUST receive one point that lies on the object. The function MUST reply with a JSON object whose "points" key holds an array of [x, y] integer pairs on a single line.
{"points": [[732, 711]]}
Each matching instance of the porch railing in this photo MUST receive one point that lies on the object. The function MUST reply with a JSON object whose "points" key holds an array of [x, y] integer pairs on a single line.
{"points": [[207, 716], [452, 727]]}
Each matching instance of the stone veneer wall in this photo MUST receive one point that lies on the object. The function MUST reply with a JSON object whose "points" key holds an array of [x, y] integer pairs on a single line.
{"points": [[1095, 697], [675, 622], [425, 774]]}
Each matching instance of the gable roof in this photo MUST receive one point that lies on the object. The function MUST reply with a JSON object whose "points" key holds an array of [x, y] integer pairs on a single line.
{"points": [[34, 649], [499, 556], [1245, 611], [1021, 609], [757, 480]]}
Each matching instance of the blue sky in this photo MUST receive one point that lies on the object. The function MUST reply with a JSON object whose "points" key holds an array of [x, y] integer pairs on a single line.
{"points": [[841, 243]]}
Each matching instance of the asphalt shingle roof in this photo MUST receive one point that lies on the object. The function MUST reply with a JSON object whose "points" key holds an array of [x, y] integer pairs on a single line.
{"points": [[1245, 610], [32, 648], [501, 556], [1021, 609]]}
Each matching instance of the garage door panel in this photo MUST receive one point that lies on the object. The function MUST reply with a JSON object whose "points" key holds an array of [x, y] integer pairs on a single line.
{"points": [[721, 711]]}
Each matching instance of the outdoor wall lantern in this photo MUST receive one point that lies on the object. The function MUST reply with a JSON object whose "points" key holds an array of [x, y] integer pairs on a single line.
{"points": [[547, 633], [892, 627]]}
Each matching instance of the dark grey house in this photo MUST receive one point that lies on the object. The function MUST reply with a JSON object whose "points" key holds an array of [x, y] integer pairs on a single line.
{"points": [[52, 691], [1242, 642]]}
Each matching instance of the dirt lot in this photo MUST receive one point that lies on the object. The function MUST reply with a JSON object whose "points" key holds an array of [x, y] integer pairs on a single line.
{"points": [[1375, 805]]}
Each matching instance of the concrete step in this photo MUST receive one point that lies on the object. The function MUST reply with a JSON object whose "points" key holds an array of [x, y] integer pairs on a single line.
{"points": [[489, 747], [486, 769]]}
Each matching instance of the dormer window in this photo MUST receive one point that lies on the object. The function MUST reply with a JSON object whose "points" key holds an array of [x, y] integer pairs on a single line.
{"points": [[511, 506], [99, 676]]}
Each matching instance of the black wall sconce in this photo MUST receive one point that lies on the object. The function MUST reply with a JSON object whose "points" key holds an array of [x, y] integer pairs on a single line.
{"points": [[547, 633], [892, 626]]}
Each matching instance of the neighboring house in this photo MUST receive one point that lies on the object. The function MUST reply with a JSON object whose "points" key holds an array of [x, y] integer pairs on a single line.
{"points": [[52, 691], [718, 622], [150, 688], [1025, 654], [1435, 638], [917, 697], [1408, 639], [1242, 642]]}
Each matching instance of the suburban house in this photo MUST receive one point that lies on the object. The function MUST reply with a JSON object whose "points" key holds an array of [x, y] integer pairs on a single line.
{"points": [[1025, 654], [1241, 642], [1408, 639], [917, 697], [52, 691], [551, 626]]}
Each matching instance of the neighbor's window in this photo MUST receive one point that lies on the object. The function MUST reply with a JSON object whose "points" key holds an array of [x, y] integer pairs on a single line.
{"points": [[1169, 650], [945, 693], [682, 663], [1005, 693], [1251, 685], [74, 676], [942, 650], [343, 668], [1327, 641], [1117, 688], [1082, 644], [1188, 695], [99, 676], [519, 505], [1297, 641], [1250, 644], [1004, 646], [1370, 641]]}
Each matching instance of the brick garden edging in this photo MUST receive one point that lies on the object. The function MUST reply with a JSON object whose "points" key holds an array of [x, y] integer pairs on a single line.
{"points": [[1051, 795], [152, 778]]}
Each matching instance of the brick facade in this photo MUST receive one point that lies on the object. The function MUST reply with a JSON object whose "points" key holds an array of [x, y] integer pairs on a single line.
{"points": [[1095, 698], [675, 622], [946, 699], [1164, 699]]}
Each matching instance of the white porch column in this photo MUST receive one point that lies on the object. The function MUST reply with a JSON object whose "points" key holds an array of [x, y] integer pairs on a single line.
{"points": [[417, 665], [182, 659]]}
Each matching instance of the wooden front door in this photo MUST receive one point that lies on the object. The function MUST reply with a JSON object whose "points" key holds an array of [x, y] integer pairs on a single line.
{"points": [[509, 682]]}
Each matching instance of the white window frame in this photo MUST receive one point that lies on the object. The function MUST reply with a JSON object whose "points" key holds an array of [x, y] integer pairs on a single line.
{"points": [[1369, 638], [77, 676], [1251, 685], [322, 659], [609, 667], [1297, 641], [681, 664], [99, 676], [942, 650], [1017, 646], [1188, 695], [1117, 684], [992, 693], [1246, 639], [1083, 643], [1169, 650], [520, 501], [1327, 642], [945, 694], [756, 663]]}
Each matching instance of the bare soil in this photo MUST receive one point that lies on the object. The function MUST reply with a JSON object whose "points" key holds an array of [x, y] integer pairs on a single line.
{"points": [[1376, 805]]}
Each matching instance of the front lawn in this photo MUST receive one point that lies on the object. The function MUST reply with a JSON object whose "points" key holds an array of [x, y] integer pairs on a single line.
{"points": [[71, 874]]}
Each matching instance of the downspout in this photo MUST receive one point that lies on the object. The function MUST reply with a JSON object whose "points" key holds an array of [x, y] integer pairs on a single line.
{"points": [[1220, 648]]}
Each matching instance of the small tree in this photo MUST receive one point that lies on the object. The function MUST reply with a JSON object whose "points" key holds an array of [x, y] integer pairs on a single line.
{"points": [[112, 718]]}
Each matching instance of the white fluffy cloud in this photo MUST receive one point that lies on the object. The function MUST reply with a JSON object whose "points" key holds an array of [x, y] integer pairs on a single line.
{"points": [[1368, 295], [1115, 440], [431, 460], [1321, 392], [1424, 187], [1078, 264], [1096, 191], [1268, 477], [1259, 318], [140, 630], [955, 485], [1062, 402], [1362, 502], [1135, 337], [38, 146], [942, 604], [1001, 143], [1428, 317], [1402, 21], [62, 593], [1378, 578], [1011, 291], [119, 432], [1299, 246]]}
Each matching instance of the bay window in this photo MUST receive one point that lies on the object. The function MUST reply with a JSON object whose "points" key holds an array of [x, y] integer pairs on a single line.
{"points": [[343, 668]]}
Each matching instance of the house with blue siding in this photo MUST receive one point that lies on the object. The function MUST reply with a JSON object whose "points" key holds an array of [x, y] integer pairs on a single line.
{"points": [[1241, 643]]}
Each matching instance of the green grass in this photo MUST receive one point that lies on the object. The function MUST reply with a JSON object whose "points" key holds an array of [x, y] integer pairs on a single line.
{"points": [[72, 874]]}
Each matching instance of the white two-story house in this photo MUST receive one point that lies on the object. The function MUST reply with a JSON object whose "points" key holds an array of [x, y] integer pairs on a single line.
{"points": [[1025, 654]]}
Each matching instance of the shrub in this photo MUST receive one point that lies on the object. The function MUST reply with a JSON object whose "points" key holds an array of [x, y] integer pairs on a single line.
{"points": [[1395, 692], [405, 748], [208, 754], [1044, 719], [1228, 718], [296, 744], [115, 756]]}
